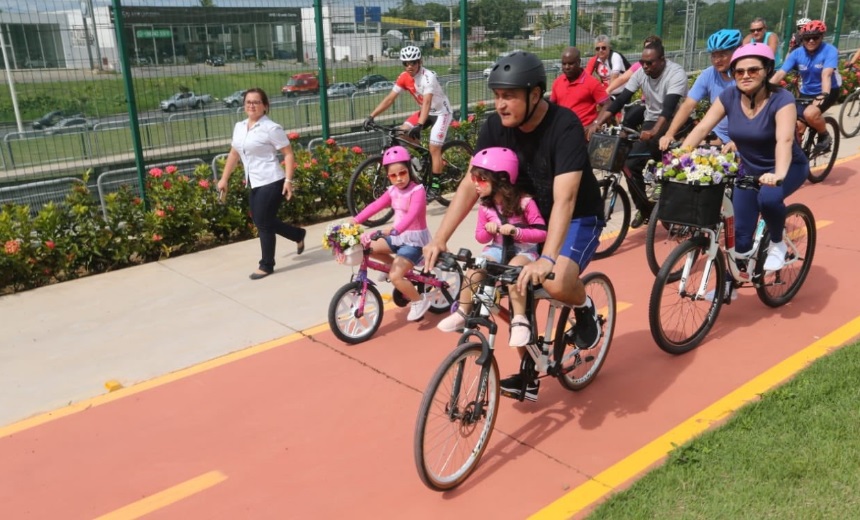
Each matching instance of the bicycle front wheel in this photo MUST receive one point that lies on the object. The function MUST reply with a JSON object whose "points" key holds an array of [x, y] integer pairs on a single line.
{"points": [[822, 161], [578, 368], [455, 160], [661, 238], [343, 313], [456, 418], [616, 214], [439, 303], [849, 115], [779, 287], [367, 183], [679, 316]]}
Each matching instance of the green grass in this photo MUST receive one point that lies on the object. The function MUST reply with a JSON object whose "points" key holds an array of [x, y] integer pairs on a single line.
{"points": [[795, 454]]}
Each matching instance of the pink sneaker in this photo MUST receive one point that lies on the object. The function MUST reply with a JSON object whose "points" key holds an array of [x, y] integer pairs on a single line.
{"points": [[521, 332], [453, 323]]}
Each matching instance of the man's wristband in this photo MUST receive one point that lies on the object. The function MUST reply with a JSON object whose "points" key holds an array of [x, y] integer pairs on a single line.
{"points": [[288, 181], [548, 258]]}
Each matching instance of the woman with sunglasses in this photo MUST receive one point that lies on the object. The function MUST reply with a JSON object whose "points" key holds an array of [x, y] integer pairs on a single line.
{"points": [[760, 114], [409, 233], [818, 65], [511, 225]]}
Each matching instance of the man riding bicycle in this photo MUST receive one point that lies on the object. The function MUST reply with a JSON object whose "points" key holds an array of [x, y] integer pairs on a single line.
{"points": [[554, 168], [818, 64], [435, 110], [663, 84]]}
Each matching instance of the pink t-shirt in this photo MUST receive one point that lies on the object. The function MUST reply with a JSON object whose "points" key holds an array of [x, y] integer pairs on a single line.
{"points": [[410, 213]]}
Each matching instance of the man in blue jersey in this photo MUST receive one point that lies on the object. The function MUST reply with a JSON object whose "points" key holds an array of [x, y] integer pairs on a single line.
{"points": [[818, 65], [709, 84]]}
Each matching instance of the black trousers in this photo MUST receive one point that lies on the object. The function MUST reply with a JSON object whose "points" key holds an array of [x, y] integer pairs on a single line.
{"points": [[640, 153], [265, 201]]}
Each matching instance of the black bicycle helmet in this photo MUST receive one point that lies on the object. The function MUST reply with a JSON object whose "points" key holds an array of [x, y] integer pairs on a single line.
{"points": [[518, 70]]}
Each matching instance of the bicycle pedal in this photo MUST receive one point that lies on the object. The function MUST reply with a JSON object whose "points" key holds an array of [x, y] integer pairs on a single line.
{"points": [[519, 397]]}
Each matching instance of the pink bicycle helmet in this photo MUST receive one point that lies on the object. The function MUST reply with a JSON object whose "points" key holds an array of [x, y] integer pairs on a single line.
{"points": [[755, 50], [396, 154], [498, 160]]}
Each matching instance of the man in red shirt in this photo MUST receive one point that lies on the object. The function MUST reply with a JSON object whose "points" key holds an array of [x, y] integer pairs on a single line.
{"points": [[581, 93]]}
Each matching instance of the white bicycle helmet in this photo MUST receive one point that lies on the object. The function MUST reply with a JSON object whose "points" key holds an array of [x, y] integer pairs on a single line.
{"points": [[410, 53], [802, 22]]}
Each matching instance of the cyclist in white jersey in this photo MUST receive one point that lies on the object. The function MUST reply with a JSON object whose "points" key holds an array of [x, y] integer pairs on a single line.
{"points": [[435, 109]]}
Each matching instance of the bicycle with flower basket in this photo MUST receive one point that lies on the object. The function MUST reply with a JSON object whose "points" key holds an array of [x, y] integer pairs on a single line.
{"points": [[690, 287], [662, 237], [356, 309]]}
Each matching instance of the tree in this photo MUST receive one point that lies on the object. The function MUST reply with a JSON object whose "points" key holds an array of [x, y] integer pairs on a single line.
{"points": [[207, 3], [505, 17]]}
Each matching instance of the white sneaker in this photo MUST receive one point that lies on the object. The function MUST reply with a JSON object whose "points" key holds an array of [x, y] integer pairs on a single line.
{"points": [[710, 294], [775, 256], [452, 323], [418, 308]]}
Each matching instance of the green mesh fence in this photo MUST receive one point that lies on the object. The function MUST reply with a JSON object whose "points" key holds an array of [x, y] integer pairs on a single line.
{"points": [[66, 71]]}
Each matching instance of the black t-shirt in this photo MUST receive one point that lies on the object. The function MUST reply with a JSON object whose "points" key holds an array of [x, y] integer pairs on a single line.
{"points": [[557, 146]]}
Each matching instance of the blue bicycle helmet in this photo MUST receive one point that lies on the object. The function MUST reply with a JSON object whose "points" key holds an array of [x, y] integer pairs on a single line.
{"points": [[725, 40]]}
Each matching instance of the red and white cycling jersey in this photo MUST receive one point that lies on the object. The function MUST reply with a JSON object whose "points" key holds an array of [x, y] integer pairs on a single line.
{"points": [[425, 82]]}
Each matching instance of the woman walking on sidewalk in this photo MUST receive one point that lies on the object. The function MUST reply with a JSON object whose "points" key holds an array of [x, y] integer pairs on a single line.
{"points": [[256, 142]]}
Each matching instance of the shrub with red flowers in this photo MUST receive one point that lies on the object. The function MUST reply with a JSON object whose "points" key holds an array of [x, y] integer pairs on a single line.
{"points": [[850, 81], [467, 129], [321, 180], [185, 213]]}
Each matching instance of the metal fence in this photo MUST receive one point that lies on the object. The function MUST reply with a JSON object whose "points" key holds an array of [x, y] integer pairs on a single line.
{"points": [[106, 72]]}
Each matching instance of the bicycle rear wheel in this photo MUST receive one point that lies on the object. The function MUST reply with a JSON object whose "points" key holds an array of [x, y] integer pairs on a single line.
{"points": [[342, 318], [616, 212], [821, 162], [680, 319], [661, 238], [367, 183], [578, 368], [849, 115], [456, 156], [456, 418], [779, 287]]}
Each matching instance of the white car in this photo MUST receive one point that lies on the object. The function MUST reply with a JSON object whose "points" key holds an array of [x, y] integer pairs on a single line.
{"points": [[341, 89], [381, 86]]}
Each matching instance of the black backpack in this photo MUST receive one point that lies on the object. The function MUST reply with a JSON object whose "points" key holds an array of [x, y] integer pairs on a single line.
{"points": [[623, 59]]}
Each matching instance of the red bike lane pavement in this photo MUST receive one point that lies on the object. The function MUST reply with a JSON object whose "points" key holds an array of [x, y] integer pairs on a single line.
{"points": [[308, 427]]}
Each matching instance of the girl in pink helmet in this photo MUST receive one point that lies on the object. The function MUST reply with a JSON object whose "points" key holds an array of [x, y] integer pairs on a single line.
{"points": [[762, 119], [409, 233], [510, 225]]}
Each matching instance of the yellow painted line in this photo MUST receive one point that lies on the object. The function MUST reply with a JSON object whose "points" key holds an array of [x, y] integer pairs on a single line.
{"points": [[164, 498], [155, 382], [609, 480]]}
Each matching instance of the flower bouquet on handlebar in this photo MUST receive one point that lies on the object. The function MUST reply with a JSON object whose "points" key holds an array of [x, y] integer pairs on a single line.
{"points": [[344, 240], [692, 184]]}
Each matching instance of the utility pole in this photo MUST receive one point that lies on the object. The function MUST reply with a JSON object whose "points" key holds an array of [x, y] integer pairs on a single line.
{"points": [[95, 34]]}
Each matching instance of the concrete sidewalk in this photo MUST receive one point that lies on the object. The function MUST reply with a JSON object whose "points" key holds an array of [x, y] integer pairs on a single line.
{"points": [[61, 343]]}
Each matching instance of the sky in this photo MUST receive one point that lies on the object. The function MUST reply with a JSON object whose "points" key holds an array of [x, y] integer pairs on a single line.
{"points": [[16, 6]]}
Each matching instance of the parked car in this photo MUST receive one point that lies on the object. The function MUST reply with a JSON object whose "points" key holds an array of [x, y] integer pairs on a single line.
{"points": [[369, 80], [381, 86], [285, 54], [215, 61], [303, 83], [235, 99], [490, 68], [341, 89], [70, 125], [48, 120], [185, 100]]}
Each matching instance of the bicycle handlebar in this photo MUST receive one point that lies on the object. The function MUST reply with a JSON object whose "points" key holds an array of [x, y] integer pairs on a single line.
{"points": [[504, 273]]}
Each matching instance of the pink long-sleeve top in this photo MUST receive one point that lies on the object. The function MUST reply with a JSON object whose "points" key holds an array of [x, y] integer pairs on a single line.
{"points": [[528, 233], [410, 213]]}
